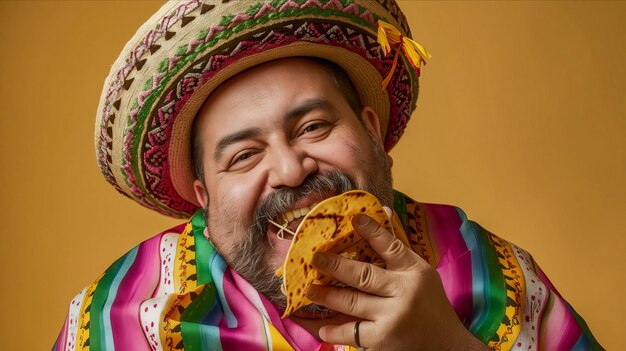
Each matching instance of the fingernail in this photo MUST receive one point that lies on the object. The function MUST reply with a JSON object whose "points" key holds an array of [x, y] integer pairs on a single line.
{"points": [[361, 220], [322, 333], [311, 291], [388, 211]]}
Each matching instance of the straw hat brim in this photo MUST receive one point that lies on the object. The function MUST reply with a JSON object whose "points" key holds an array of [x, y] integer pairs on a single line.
{"points": [[188, 48]]}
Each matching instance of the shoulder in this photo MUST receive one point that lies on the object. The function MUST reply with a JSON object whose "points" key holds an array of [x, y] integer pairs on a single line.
{"points": [[494, 286], [408, 208], [435, 229], [141, 273], [141, 267], [148, 255]]}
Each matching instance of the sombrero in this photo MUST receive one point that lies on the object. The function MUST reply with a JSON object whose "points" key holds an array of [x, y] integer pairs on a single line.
{"points": [[188, 48]]}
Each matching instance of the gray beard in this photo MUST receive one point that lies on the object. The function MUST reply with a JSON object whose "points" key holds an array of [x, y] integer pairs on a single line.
{"points": [[254, 251]]}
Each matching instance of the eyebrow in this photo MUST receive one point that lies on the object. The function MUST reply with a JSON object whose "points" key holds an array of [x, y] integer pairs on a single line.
{"points": [[308, 106], [297, 112], [232, 139]]}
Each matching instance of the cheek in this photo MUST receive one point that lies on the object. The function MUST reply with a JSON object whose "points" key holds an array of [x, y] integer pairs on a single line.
{"points": [[344, 154], [228, 217], [232, 201]]}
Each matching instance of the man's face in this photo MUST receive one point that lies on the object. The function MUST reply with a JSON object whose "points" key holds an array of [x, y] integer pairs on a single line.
{"points": [[275, 141]]}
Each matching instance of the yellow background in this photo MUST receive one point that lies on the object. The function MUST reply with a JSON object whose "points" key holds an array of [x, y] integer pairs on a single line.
{"points": [[521, 121]]}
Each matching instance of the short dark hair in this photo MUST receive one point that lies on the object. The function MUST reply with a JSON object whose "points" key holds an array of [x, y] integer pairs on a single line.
{"points": [[341, 81], [344, 84]]}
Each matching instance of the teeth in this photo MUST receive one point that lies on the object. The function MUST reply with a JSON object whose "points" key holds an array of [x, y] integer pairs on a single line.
{"points": [[287, 217], [297, 213], [290, 216], [304, 211]]}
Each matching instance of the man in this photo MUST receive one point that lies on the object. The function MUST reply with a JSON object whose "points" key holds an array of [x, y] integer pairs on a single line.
{"points": [[278, 105]]}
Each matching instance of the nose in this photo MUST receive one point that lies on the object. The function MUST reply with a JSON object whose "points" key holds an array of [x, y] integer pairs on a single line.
{"points": [[290, 166]]}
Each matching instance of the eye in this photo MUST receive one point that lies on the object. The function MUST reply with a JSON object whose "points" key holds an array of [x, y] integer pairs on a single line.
{"points": [[311, 128], [314, 127], [242, 157]]}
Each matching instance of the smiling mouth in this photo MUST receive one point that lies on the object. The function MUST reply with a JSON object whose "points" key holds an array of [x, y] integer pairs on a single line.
{"points": [[287, 223]]}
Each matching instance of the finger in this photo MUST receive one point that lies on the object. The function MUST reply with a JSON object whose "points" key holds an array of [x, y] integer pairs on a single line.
{"points": [[390, 248], [346, 334], [348, 301], [359, 275]]}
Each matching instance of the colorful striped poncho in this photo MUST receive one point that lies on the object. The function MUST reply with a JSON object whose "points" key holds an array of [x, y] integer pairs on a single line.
{"points": [[175, 292]]}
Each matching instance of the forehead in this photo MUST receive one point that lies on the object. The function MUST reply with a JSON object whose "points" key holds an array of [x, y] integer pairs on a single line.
{"points": [[264, 93]]}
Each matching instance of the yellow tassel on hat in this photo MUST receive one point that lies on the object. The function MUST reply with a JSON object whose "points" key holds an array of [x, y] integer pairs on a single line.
{"points": [[389, 37]]}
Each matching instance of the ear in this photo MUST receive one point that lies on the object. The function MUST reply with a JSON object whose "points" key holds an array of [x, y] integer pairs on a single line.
{"points": [[389, 160], [201, 194], [372, 123]]}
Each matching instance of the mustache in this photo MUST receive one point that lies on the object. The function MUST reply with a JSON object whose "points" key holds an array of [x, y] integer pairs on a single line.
{"points": [[272, 206], [254, 251]]}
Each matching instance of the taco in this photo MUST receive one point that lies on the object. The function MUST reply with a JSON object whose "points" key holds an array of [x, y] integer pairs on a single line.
{"points": [[328, 227]]}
